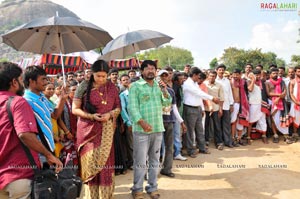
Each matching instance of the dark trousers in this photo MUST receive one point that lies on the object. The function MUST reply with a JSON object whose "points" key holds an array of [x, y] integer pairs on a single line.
{"points": [[226, 127], [193, 121], [213, 119], [168, 139], [129, 147]]}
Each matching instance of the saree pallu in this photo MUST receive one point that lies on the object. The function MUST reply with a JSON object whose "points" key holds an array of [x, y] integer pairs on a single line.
{"points": [[97, 163]]}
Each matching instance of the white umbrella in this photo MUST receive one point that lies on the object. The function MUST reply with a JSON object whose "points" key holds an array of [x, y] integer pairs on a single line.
{"points": [[132, 42], [56, 35]]}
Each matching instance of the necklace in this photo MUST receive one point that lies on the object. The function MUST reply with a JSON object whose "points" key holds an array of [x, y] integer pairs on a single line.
{"points": [[103, 101]]}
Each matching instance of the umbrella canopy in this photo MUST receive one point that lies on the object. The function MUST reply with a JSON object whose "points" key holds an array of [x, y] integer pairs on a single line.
{"points": [[56, 35], [132, 42]]}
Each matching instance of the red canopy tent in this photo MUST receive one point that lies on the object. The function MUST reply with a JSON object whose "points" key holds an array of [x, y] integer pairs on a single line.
{"points": [[52, 63], [126, 64]]}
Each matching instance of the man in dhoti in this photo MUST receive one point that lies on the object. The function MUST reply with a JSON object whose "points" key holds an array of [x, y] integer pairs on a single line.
{"points": [[240, 114], [258, 107], [294, 89], [276, 91]]}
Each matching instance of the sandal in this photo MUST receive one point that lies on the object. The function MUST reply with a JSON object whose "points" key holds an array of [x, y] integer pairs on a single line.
{"points": [[248, 140], [138, 195], [295, 137], [240, 142], [235, 143], [154, 195], [288, 140], [275, 139], [264, 139]]}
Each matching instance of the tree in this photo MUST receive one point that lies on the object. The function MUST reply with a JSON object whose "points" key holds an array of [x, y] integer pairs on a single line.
{"points": [[169, 55], [295, 59], [213, 63], [238, 58]]}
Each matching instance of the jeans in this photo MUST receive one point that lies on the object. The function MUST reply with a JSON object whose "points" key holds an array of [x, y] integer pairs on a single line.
{"points": [[177, 139], [146, 147]]}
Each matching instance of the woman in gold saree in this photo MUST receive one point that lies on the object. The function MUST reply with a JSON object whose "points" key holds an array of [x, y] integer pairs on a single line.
{"points": [[97, 104]]}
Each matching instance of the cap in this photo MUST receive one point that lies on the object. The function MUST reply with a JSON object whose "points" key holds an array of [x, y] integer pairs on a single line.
{"points": [[162, 72]]}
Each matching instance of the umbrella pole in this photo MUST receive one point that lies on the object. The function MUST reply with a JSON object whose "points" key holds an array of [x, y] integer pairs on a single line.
{"points": [[136, 56], [63, 69], [62, 60]]}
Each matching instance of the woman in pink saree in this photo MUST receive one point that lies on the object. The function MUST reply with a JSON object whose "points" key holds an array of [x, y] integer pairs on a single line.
{"points": [[97, 104]]}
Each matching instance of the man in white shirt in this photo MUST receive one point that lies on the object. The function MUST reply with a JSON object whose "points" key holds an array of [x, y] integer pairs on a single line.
{"points": [[192, 112], [227, 105]]}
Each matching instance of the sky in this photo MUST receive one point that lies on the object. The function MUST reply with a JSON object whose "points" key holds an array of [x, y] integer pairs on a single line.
{"points": [[204, 27]]}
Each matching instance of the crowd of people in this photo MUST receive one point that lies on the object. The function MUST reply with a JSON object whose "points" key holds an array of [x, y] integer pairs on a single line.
{"points": [[143, 120]]}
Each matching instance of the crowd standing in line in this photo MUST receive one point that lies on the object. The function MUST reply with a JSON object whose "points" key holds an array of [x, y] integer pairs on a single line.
{"points": [[106, 124]]}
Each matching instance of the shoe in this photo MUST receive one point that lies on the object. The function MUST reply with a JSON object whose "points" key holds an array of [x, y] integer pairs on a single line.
{"points": [[220, 147], [171, 175], [180, 157], [193, 155], [154, 195], [204, 152], [137, 195], [229, 146]]}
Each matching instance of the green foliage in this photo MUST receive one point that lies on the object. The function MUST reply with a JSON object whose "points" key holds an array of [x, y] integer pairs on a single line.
{"points": [[169, 55], [213, 63], [238, 58], [4, 60], [295, 59]]}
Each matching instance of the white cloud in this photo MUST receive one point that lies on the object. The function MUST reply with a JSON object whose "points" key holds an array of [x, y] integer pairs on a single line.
{"points": [[291, 26], [280, 39]]}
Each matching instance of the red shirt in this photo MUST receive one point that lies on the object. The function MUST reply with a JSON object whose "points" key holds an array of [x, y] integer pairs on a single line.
{"points": [[14, 163]]}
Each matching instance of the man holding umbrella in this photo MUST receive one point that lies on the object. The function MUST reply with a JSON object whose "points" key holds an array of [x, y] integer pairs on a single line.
{"points": [[15, 170]]}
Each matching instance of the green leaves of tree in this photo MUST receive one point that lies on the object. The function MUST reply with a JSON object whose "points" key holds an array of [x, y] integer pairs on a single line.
{"points": [[169, 55], [238, 58]]}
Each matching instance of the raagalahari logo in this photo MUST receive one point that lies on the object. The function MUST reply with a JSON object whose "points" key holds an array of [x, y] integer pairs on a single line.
{"points": [[269, 6]]}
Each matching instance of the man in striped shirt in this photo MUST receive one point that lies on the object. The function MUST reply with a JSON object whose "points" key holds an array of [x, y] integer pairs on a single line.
{"points": [[35, 81], [146, 100]]}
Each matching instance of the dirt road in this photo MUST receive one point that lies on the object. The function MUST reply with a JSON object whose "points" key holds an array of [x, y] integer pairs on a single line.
{"points": [[256, 171]]}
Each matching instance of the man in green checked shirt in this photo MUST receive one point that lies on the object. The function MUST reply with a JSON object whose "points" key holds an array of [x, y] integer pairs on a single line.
{"points": [[146, 100]]}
